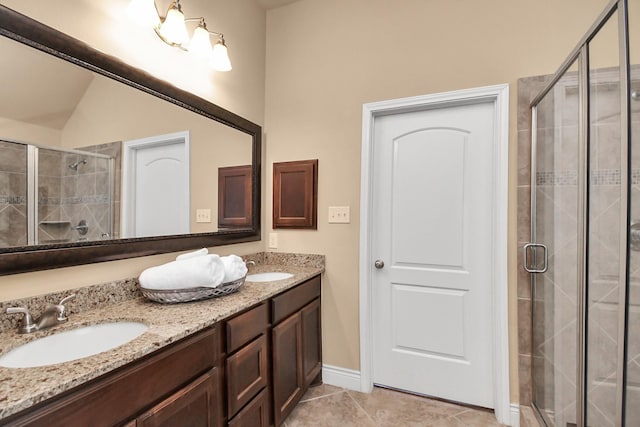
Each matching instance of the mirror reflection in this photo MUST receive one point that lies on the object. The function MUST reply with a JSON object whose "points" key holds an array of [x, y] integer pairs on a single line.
{"points": [[84, 158]]}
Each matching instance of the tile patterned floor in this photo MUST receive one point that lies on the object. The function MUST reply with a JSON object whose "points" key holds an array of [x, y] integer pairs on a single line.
{"points": [[330, 406]]}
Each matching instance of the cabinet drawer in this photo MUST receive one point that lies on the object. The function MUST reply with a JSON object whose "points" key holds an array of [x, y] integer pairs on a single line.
{"points": [[255, 414], [245, 327], [293, 300], [247, 374], [191, 406], [118, 396]]}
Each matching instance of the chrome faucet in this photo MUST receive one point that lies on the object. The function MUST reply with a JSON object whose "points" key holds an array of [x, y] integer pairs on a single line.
{"points": [[51, 316]]}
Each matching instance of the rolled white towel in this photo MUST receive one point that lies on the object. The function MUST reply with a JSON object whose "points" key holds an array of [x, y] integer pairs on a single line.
{"points": [[194, 272], [199, 252], [234, 268]]}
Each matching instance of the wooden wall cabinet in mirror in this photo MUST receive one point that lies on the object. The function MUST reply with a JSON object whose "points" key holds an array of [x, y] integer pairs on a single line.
{"points": [[234, 196], [295, 194], [135, 106]]}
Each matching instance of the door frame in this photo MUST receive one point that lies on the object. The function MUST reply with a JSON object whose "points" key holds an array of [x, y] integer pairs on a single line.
{"points": [[129, 152], [499, 95]]}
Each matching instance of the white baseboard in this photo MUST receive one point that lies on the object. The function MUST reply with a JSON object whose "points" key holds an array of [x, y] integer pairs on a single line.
{"points": [[514, 415], [341, 377]]}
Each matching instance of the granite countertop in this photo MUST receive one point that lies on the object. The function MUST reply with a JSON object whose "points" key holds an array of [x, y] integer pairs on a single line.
{"points": [[23, 387]]}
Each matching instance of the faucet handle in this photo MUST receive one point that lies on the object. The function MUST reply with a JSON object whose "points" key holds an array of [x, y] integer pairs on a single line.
{"points": [[62, 310], [65, 299], [26, 325]]}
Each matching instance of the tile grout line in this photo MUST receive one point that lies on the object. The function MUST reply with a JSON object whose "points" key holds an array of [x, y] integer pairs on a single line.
{"points": [[322, 396], [361, 408]]}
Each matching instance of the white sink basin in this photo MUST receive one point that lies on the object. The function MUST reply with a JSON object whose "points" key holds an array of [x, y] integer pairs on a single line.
{"points": [[72, 345], [268, 277]]}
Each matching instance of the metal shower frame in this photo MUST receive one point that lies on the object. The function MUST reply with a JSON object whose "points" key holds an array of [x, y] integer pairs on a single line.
{"points": [[580, 55]]}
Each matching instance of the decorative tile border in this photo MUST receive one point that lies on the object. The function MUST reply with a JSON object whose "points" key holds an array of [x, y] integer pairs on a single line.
{"points": [[75, 200], [559, 178], [598, 177], [92, 199], [606, 177], [13, 200]]}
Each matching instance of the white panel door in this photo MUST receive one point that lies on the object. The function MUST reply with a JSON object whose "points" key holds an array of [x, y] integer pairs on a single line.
{"points": [[156, 186], [432, 222]]}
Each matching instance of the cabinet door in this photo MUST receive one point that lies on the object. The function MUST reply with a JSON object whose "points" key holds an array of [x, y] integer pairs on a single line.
{"points": [[255, 414], [192, 406], [288, 378], [311, 341], [247, 374]]}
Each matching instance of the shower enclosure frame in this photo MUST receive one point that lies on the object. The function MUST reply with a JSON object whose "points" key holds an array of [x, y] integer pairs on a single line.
{"points": [[580, 55]]}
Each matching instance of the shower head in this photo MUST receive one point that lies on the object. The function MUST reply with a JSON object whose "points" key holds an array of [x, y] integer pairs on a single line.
{"points": [[74, 166]]}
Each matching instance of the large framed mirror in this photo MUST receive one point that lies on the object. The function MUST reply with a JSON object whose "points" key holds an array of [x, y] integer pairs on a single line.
{"points": [[101, 161]]}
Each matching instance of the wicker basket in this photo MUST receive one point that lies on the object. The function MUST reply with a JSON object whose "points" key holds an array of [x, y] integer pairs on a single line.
{"points": [[173, 296]]}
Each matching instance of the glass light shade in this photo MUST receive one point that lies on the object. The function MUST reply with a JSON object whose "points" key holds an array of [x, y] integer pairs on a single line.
{"points": [[200, 44], [220, 57], [143, 13], [173, 28]]}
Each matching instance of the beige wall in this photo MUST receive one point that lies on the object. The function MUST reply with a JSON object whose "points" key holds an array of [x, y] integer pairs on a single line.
{"points": [[325, 58], [103, 26]]}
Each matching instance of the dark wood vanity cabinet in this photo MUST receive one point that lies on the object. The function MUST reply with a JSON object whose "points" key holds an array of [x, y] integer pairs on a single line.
{"points": [[297, 351], [247, 371]]}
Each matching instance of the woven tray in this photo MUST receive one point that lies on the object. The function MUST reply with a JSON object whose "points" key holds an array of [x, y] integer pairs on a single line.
{"points": [[173, 296]]}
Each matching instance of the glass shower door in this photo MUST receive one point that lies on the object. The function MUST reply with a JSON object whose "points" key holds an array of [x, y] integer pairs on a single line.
{"points": [[555, 198], [606, 202]]}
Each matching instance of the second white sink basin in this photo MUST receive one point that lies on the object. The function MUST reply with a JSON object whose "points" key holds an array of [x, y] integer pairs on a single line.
{"points": [[268, 277], [71, 345]]}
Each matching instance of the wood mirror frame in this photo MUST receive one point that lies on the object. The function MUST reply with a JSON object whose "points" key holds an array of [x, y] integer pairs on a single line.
{"points": [[22, 259]]}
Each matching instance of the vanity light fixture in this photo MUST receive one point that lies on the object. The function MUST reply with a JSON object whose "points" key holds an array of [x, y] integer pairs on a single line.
{"points": [[172, 30]]}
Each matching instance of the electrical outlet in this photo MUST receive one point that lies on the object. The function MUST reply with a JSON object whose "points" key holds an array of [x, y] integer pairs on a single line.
{"points": [[339, 214], [273, 240], [203, 215]]}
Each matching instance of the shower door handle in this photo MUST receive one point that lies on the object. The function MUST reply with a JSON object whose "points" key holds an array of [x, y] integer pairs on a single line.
{"points": [[530, 247]]}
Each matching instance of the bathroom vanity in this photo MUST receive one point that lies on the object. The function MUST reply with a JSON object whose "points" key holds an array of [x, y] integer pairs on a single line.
{"points": [[241, 360]]}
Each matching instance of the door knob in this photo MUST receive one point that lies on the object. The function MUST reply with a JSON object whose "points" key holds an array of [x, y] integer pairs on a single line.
{"points": [[379, 263]]}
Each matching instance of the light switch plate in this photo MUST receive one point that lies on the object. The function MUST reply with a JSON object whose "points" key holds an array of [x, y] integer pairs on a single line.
{"points": [[273, 240], [203, 215], [339, 214]]}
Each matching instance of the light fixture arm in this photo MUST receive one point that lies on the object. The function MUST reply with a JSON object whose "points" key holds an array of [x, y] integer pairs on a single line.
{"points": [[203, 24], [172, 30]]}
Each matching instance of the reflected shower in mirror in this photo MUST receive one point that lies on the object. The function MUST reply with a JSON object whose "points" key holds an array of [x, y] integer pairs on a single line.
{"points": [[51, 195]]}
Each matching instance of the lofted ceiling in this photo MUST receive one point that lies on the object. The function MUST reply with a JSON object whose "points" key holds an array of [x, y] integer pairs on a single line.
{"points": [[30, 98]]}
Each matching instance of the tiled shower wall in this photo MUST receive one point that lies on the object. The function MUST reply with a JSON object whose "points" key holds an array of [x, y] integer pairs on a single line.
{"points": [[68, 196], [114, 150], [13, 194]]}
